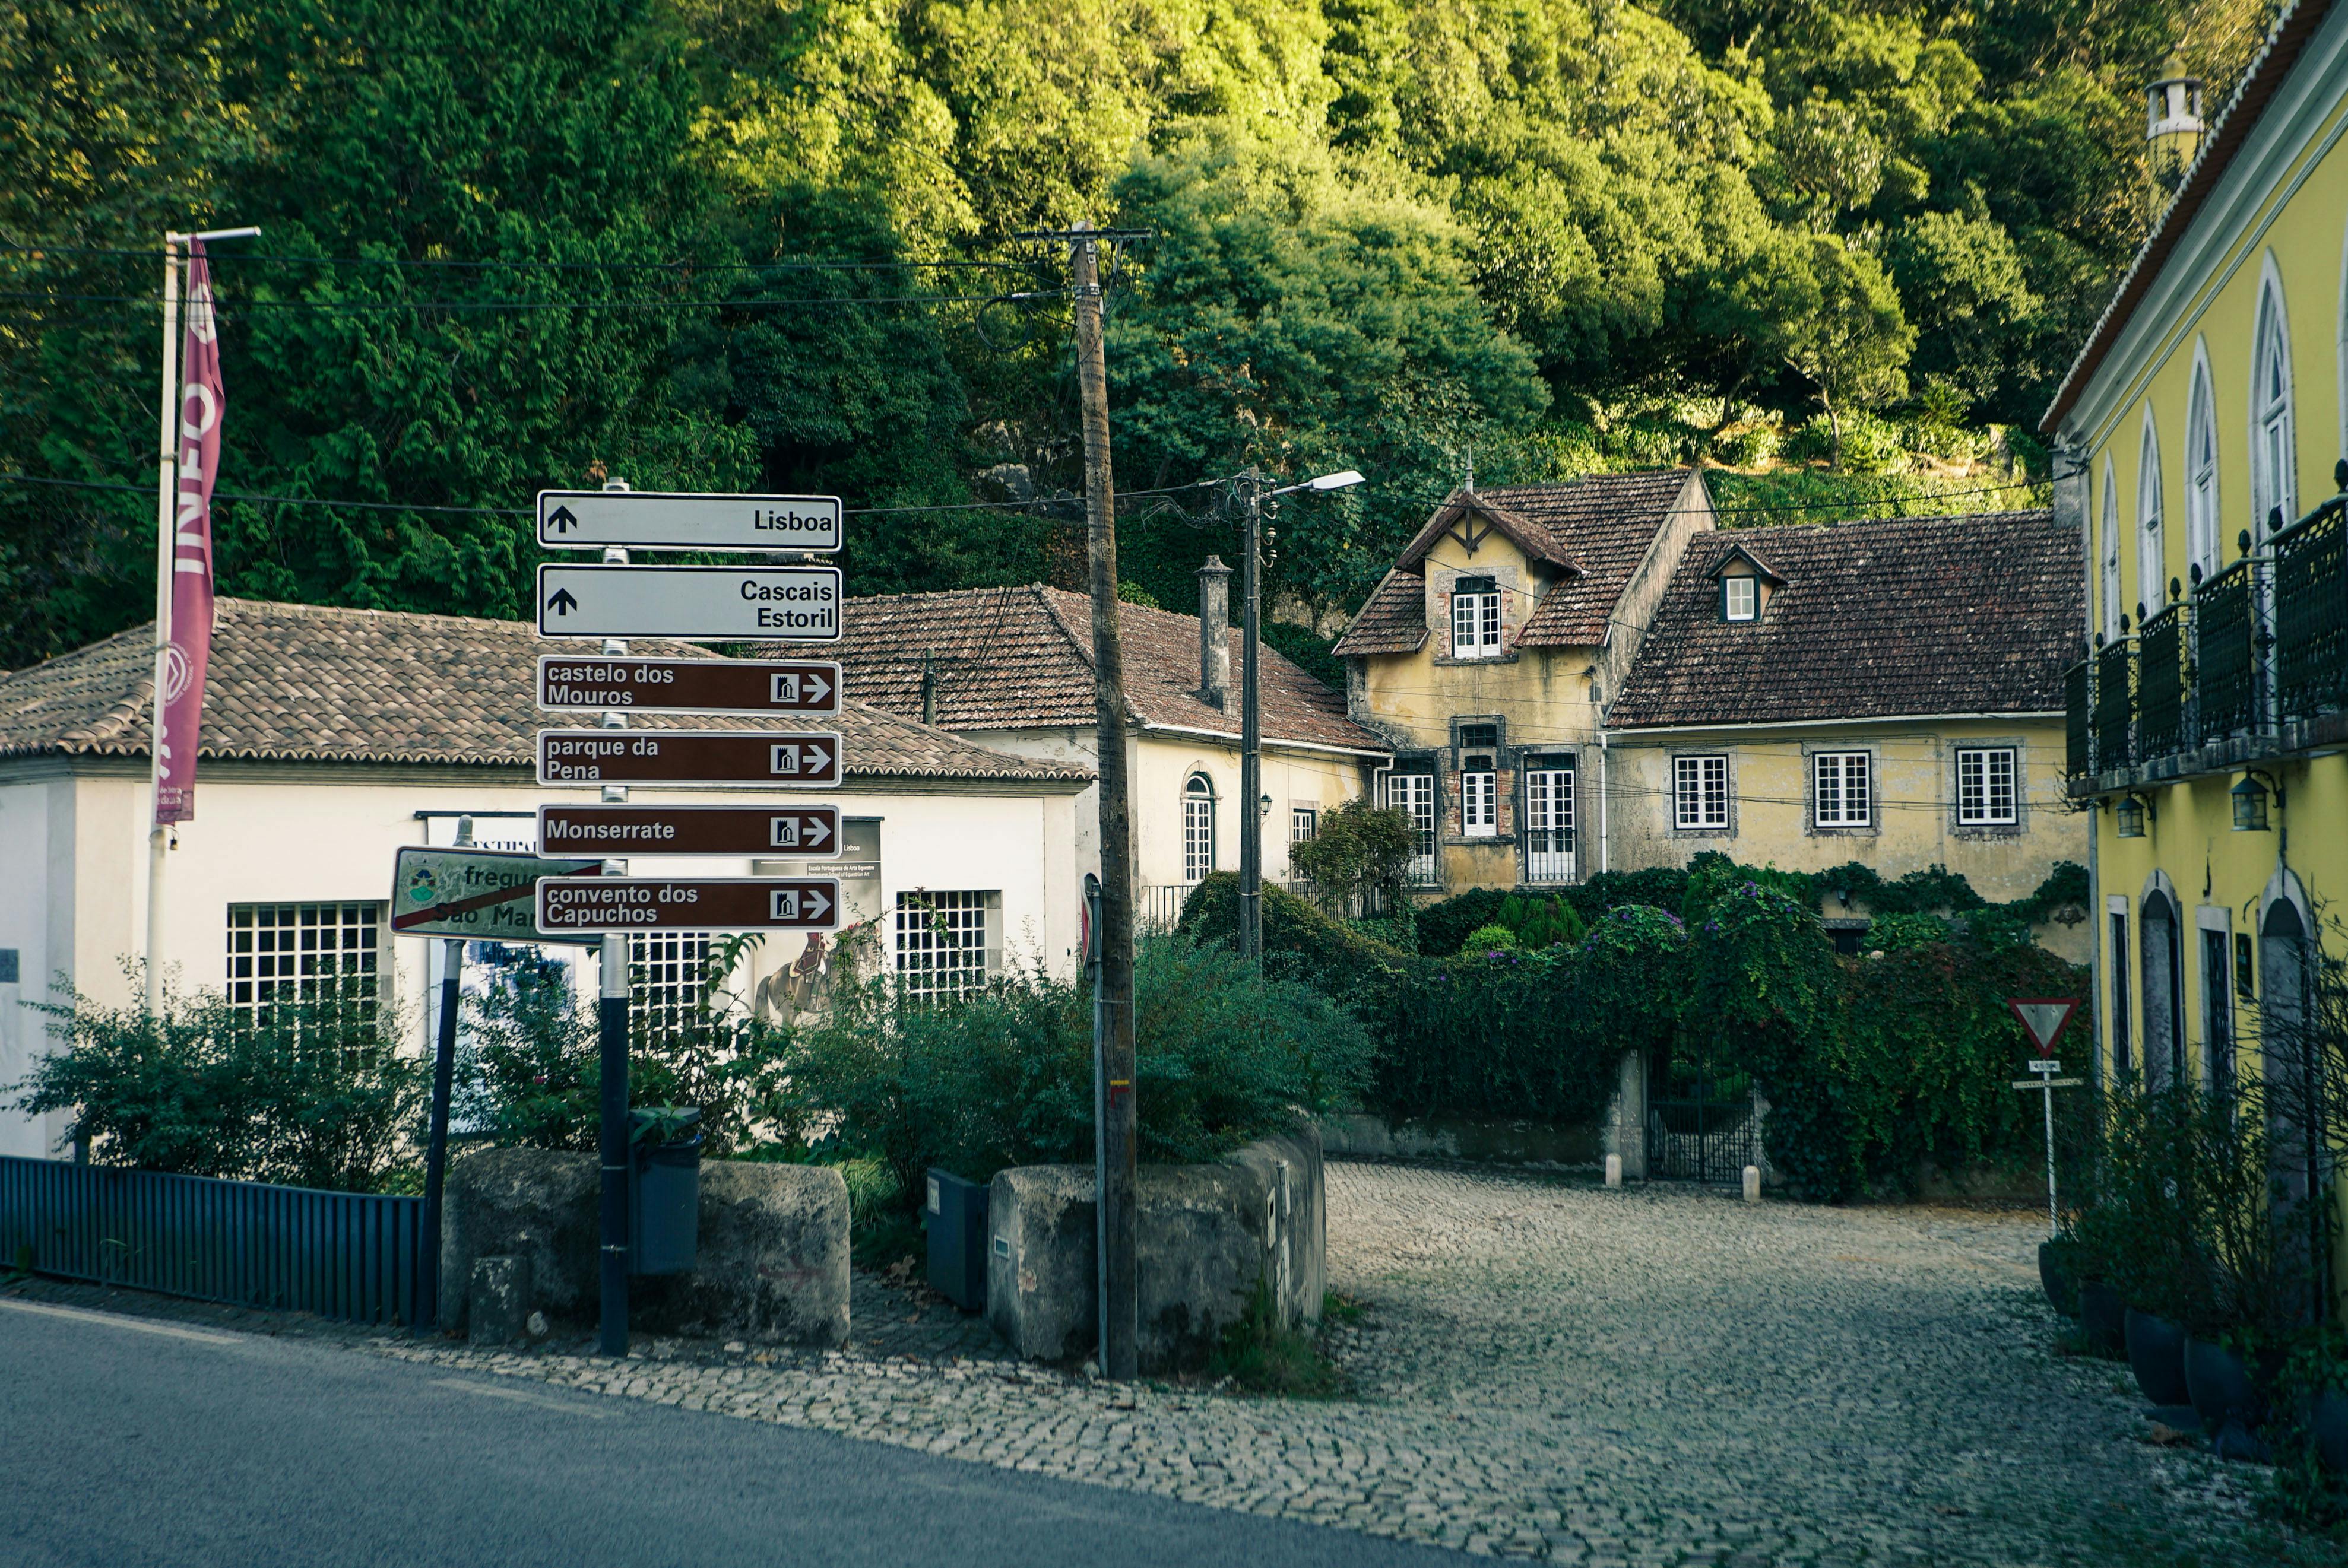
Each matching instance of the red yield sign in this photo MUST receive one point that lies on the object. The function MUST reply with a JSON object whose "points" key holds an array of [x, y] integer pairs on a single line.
{"points": [[2044, 1016]]}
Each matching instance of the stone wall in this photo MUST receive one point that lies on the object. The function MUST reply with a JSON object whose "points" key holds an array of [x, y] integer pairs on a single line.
{"points": [[773, 1263], [1211, 1236], [1620, 1129]]}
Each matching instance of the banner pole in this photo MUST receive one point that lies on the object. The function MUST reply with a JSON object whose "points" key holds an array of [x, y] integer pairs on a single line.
{"points": [[158, 833]]}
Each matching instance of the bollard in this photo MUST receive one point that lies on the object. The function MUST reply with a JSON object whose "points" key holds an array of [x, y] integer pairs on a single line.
{"points": [[1752, 1183], [1613, 1170]]}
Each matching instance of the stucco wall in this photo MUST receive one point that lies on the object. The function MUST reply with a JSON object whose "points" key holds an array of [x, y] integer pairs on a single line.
{"points": [[1915, 826]]}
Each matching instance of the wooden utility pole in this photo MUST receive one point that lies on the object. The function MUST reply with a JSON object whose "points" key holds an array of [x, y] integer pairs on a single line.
{"points": [[1120, 1321]]}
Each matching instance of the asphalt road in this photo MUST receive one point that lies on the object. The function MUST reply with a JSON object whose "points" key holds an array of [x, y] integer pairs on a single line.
{"points": [[125, 1442]]}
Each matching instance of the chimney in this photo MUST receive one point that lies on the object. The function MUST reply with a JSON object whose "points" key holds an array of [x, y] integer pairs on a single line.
{"points": [[1214, 632]]}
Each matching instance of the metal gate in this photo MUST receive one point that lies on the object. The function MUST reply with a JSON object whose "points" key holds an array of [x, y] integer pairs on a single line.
{"points": [[1703, 1124]]}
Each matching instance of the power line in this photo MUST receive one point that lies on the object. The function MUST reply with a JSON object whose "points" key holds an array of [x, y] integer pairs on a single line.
{"points": [[343, 307], [243, 257]]}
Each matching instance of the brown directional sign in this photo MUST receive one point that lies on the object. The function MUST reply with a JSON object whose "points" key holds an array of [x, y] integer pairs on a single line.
{"points": [[688, 757], [688, 903], [688, 685], [802, 831]]}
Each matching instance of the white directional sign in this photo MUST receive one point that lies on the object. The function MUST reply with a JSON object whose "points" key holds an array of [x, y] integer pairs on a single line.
{"points": [[691, 603], [684, 520]]}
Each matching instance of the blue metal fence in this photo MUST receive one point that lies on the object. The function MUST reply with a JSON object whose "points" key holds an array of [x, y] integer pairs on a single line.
{"points": [[357, 1256]]}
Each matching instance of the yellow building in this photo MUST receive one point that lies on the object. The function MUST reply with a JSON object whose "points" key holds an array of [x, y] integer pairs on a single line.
{"points": [[2196, 435], [1486, 656], [1886, 692]]}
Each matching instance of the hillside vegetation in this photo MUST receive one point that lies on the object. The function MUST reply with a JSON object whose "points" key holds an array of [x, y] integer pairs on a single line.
{"points": [[1843, 248]]}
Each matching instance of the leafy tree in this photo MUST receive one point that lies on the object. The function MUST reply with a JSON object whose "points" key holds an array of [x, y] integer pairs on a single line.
{"points": [[1851, 342], [1357, 851]]}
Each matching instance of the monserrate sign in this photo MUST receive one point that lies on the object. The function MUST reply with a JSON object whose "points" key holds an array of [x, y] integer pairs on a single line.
{"points": [[801, 831], [691, 603], [745, 686], [685, 520], [706, 757], [688, 903]]}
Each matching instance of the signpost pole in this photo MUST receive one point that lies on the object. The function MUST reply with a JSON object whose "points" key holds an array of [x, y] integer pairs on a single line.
{"points": [[612, 1021], [2053, 1219], [436, 1147]]}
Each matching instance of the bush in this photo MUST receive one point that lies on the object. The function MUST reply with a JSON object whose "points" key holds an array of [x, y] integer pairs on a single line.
{"points": [[1005, 1078], [1358, 852], [1494, 939], [310, 1094], [1898, 933]]}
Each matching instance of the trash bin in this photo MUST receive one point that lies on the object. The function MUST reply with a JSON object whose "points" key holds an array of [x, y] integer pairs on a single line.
{"points": [[664, 1192], [955, 1215]]}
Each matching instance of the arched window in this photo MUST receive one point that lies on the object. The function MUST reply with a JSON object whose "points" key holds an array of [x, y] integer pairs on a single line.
{"points": [[2201, 472], [2152, 582], [2111, 556], [1198, 827], [2272, 449]]}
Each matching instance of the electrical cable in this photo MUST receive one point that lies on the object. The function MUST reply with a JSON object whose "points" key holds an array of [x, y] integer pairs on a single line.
{"points": [[333, 307], [242, 257]]}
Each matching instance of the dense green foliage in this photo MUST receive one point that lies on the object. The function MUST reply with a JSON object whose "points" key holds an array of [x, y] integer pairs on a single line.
{"points": [[1358, 852], [1005, 1078], [705, 245], [313, 1096]]}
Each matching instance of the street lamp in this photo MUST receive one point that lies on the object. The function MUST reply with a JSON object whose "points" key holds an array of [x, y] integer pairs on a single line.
{"points": [[2250, 800], [1250, 488], [2128, 817]]}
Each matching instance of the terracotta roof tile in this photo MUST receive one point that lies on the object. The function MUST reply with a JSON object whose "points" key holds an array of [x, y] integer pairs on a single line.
{"points": [[293, 682], [1021, 658], [1593, 531], [1910, 616]]}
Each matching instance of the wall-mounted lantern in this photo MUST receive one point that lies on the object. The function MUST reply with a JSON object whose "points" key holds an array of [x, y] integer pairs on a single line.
{"points": [[2250, 800], [2128, 815]]}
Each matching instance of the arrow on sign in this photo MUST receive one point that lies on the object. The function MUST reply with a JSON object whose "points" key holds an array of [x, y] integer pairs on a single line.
{"points": [[816, 834], [562, 519], [2044, 1016], [788, 689], [563, 603], [801, 903]]}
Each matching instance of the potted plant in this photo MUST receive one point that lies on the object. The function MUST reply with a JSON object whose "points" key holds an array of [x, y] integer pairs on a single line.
{"points": [[2145, 1222], [664, 1189]]}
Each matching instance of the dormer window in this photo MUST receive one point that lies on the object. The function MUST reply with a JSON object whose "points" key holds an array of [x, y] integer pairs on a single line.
{"points": [[1740, 599], [1475, 618]]}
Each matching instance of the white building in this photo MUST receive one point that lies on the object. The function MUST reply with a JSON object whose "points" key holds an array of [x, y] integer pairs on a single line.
{"points": [[1012, 669], [331, 737]]}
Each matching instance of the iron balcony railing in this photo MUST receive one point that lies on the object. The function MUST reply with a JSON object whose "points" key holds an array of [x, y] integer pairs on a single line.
{"points": [[2078, 721], [2226, 680], [2311, 612], [2114, 703], [357, 1256], [2162, 683]]}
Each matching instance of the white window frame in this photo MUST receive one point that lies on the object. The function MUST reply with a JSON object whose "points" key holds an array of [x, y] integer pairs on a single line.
{"points": [[1740, 606], [1198, 827], [2273, 438], [1413, 794], [1303, 823], [305, 952], [1549, 824], [1700, 793], [1842, 789], [2150, 514], [1479, 804], [947, 945], [2201, 528], [1989, 786], [1476, 625], [2111, 554]]}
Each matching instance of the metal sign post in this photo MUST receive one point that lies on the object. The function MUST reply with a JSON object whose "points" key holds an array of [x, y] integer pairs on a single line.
{"points": [[2043, 1017], [444, 1078]]}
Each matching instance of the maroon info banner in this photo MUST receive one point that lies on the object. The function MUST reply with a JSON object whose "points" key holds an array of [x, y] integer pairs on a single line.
{"points": [[688, 903]]}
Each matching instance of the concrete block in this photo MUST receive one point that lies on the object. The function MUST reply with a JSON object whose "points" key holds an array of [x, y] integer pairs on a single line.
{"points": [[774, 1246], [500, 1299], [1210, 1235]]}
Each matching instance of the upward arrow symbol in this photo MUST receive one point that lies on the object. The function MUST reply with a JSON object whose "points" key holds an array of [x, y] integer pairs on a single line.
{"points": [[563, 603], [562, 519]]}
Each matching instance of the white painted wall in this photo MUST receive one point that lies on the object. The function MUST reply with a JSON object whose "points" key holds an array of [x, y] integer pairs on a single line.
{"points": [[72, 850]]}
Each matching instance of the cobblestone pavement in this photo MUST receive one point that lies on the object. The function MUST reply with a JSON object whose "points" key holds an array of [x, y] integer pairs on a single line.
{"points": [[1655, 1376]]}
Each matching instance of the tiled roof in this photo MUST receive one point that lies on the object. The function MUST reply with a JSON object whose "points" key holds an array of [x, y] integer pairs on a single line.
{"points": [[1593, 530], [293, 682], [1022, 658], [2226, 136], [1911, 616]]}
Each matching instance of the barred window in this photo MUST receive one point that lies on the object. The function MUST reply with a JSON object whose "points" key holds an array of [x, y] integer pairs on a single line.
{"points": [[326, 957], [1986, 781], [1843, 796], [667, 980], [1198, 828], [943, 942], [1548, 820], [1414, 795], [1699, 792]]}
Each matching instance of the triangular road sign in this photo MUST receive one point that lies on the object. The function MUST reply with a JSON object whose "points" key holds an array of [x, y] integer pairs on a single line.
{"points": [[2044, 1016]]}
